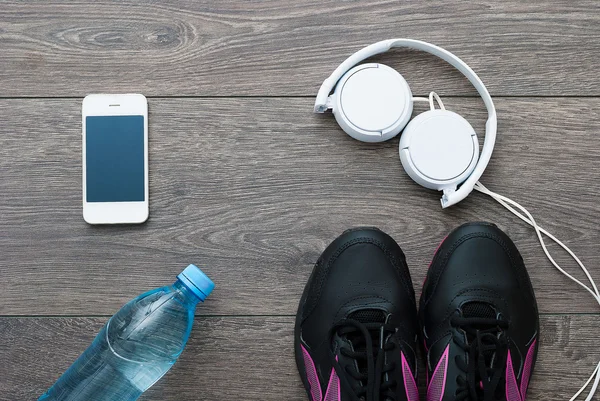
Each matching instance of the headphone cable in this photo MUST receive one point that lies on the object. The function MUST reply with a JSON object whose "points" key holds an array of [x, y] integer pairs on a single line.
{"points": [[528, 218]]}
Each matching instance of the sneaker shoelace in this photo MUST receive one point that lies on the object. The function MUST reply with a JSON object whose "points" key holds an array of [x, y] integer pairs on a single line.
{"points": [[484, 368], [369, 345]]}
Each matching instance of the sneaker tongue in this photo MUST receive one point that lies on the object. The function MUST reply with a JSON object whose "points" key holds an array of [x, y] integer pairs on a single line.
{"points": [[365, 316], [478, 309], [368, 316]]}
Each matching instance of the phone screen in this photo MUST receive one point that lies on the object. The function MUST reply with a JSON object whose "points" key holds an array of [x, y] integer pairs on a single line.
{"points": [[114, 151]]}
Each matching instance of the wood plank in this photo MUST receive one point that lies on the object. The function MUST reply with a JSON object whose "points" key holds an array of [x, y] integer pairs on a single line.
{"points": [[253, 190], [286, 48], [251, 358]]}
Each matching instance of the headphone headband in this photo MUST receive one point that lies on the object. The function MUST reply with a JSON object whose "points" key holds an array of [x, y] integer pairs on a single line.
{"points": [[450, 197]]}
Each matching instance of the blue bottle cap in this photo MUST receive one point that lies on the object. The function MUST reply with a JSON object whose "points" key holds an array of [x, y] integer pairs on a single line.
{"points": [[198, 282]]}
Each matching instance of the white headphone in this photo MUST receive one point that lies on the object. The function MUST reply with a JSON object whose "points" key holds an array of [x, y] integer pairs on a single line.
{"points": [[438, 148]]}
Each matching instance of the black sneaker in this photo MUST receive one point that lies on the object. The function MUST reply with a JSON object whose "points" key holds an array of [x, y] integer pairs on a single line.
{"points": [[479, 318], [356, 327]]}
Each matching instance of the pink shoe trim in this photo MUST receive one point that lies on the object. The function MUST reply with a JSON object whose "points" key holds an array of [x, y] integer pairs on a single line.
{"points": [[410, 386], [333, 392], [311, 375], [437, 385], [512, 390], [527, 369]]}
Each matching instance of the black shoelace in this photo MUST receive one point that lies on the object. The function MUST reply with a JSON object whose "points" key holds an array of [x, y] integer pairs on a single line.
{"points": [[484, 368], [375, 378]]}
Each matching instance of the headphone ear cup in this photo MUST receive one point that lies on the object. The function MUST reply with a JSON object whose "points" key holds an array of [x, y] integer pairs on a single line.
{"points": [[372, 102], [439, 149]]}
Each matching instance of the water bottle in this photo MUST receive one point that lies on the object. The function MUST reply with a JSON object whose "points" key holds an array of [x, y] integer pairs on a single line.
{"points": [[137, 346]]}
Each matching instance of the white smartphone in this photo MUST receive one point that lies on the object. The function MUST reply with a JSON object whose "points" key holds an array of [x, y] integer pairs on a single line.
{"points": [[115, 159]]}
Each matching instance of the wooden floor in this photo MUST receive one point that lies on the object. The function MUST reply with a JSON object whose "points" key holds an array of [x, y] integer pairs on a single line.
{"points": [[250, 185]]}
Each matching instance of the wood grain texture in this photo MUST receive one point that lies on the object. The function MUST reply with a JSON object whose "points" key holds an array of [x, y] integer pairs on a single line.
{"points": [[251, 358], [286, 48], [253, 190]]}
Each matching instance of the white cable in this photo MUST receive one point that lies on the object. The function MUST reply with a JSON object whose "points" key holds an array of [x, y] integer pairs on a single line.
{"points": [[420, 99], [506, 202], [503, 200], [429, 99], [594, 387], [437, 99]]}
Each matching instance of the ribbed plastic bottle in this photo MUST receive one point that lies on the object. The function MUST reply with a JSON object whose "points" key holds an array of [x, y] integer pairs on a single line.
{"points": [[137, 346]]}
